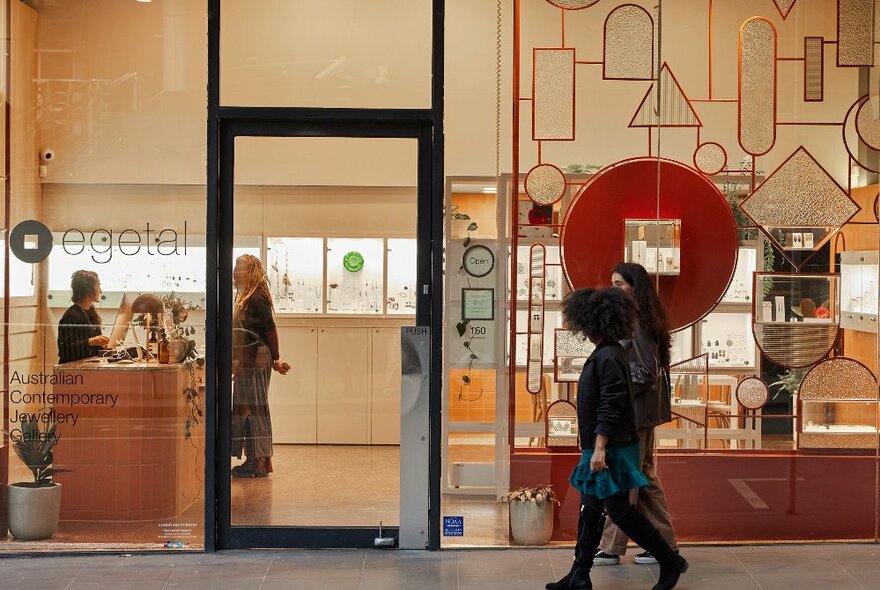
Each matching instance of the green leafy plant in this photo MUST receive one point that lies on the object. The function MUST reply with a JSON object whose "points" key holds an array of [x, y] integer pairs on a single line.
{"points": [[34, 448], [538, 494], [581, 168], [790, 381], [462, 326]]}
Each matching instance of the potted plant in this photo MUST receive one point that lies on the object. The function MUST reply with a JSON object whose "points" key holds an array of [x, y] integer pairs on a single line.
{"points": [[34, 506], [180, 345], [531, 514]]}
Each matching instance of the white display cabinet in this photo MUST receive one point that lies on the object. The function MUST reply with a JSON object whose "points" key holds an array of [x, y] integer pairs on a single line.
{"points": [[295, 267], [654, 243], [355, 275], [682, 345], [727, 338], [553, 284], [740, 290], [401, 297], [178, 268], [859, 290]]}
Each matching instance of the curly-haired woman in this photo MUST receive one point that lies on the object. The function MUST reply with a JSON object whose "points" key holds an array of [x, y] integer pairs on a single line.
{"points": [[255, 356], [609, 465]]}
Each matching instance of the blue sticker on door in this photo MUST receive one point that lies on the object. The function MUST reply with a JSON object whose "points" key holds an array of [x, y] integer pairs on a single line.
{"points": [[453, 526]]}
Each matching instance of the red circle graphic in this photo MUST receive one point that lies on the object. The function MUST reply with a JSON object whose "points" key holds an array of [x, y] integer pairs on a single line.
{"points": [[592, 237]]}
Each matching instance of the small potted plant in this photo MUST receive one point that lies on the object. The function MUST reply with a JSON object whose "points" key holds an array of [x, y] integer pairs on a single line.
{"points": [[531, 514], [180, 345], [34, 506]]}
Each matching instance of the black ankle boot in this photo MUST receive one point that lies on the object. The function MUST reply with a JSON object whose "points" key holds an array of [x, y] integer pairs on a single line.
{"points": [[642, 532], [577, 579]]}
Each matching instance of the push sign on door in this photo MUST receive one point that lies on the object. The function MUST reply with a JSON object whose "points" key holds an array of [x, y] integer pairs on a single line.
{"points": [[478, 261]]}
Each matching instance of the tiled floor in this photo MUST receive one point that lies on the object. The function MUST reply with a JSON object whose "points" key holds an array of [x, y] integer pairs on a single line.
{"points": [[798, 567]]}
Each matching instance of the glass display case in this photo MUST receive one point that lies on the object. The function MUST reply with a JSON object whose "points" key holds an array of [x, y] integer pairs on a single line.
{"points": [[553, 284], [858, 290], [401, 298], [838, 424], [740, 290], [355, 274], [654, 243], [295, 267], [796, 316], [552, 321], [727, 340]]}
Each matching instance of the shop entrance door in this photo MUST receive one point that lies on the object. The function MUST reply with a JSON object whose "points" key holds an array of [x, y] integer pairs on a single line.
{"points": [[324, 258]]}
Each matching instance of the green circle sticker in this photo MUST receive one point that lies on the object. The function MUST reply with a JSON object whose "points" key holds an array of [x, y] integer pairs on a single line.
{"points": [[353, 261]]}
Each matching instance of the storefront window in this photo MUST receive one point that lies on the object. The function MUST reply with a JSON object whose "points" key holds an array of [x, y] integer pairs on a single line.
{"points": [[104, 321]]}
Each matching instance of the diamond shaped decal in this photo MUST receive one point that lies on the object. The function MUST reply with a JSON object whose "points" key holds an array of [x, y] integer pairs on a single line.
{"points": [[799, 207]]}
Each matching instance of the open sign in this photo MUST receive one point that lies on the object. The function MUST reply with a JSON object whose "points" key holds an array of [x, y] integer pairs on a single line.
{"points": [[478, 261]]}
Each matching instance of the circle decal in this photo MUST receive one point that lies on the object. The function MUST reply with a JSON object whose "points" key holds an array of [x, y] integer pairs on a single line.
{"points": [[478, 261], [30, 241], [710, 158], [545, 184]]}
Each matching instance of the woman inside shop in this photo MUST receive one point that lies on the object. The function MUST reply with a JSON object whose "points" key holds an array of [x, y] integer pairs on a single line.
{"points": [[648, 353], [609, 465], [255, 356], [79, 330]]}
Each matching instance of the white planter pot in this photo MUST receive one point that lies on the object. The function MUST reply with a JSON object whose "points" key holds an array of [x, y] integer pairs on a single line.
{"points": [[33, 512], [531, 523], [176, 348]]}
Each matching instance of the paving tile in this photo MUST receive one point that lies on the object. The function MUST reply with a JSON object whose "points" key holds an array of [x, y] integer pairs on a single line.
{"points": [[838, 580], [867, 573], [794, 560]]}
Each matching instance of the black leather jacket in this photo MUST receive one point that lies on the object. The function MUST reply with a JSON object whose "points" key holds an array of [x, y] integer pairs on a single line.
{"points": [[650, 393], [605, 401]]}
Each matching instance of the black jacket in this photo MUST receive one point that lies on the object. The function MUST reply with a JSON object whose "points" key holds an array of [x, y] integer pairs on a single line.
{"points": [[75, 328], [650, 385], [605, 401]]}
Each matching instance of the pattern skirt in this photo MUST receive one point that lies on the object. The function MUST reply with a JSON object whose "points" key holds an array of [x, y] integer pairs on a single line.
{"points": [[251, 424], [622, 472]]}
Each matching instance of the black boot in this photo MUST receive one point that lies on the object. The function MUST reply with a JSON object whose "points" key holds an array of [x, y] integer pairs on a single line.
{"points": [[640, 530], [590, 525]]}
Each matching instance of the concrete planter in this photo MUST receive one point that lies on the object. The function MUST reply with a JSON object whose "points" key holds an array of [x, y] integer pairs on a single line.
{"points": [[531, 523], [33, 512]]}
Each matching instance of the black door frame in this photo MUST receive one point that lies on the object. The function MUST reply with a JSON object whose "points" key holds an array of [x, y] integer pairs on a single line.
{"points": [[428, 121], [235, 537]]}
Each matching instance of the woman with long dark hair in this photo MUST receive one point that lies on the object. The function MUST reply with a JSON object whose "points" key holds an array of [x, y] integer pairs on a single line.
{"points": [[648, 354], [609, 465], [255, 356]]}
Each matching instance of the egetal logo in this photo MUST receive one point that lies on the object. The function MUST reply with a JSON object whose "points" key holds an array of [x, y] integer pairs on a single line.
{"points": [[31, 241]]}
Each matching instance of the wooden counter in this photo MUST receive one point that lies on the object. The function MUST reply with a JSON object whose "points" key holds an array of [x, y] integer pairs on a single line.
{"points": [[127, 446]]}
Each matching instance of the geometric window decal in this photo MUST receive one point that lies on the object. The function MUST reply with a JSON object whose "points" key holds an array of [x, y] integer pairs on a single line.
{"points": [[757, 86], [799, 206], [697, 365], [572, 4], [562, 430], [545, 184], [855, 33], [629, 44], [784, 7], [752, 393], [553, 94], [814, 69], [674, 109], [839, 378], [535, 352], [867, 124], [710, 158]]}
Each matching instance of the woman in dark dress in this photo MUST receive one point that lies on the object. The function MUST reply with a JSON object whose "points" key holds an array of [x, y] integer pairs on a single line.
{"points": [[79, 329], [609, 465], [255, 356]]}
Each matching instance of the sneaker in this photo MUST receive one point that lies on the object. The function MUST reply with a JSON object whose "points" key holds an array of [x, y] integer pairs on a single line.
{"points": [[645, 558], [603, 558]]}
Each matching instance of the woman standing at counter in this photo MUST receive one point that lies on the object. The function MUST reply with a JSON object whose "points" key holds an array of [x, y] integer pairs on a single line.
{"points": [[255, 356], [79, 330]]}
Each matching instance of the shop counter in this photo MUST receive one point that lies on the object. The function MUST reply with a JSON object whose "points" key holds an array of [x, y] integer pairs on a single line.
{"points": [[122, 432]]}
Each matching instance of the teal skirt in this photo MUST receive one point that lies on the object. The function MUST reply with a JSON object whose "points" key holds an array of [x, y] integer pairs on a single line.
{"points": [[622, 472]]}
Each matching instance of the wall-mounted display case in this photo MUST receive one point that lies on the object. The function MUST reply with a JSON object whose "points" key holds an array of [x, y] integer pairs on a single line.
{"points": [[295, 267], [355, 273], [654, 243], [838, 424], [553, 279], [177, 265], [740, 290], [552, 321], [401, 297], [859, 272], [726, 338]]}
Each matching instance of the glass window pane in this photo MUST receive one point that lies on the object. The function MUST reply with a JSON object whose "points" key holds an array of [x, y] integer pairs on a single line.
{"points": [[314, 53]]}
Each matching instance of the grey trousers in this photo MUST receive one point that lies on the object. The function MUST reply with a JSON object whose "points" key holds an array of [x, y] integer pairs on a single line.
{"points": [[650, 501]]}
